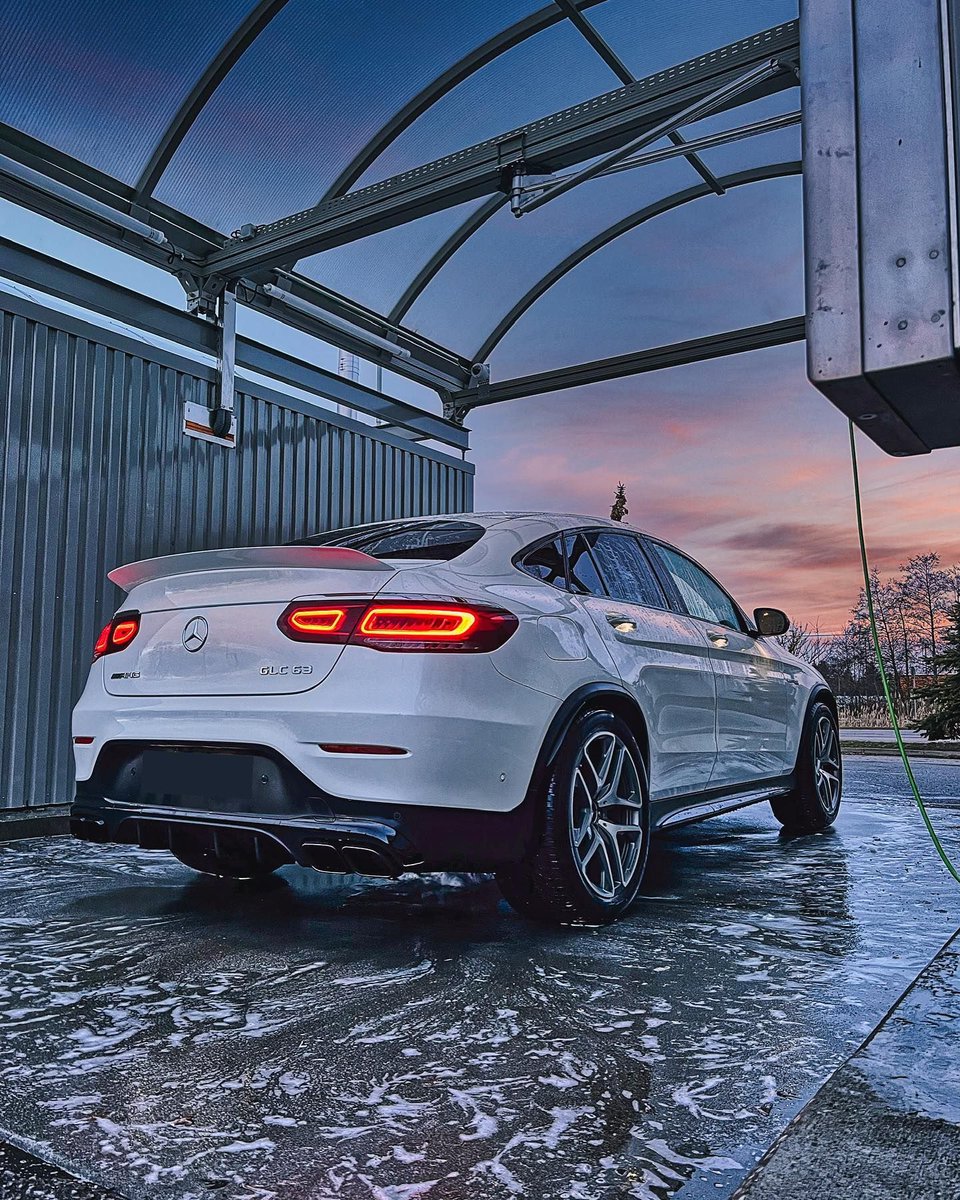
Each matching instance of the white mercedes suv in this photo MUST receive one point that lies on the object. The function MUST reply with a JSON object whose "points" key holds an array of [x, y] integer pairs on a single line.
{"points": [[525, 693]]}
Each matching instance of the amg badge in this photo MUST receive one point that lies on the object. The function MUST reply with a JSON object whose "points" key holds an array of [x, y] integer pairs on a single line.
{"points": [[298, 670]]}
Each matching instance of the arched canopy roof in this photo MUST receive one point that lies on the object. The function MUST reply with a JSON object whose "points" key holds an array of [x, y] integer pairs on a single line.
{"points": [[214, 115]]}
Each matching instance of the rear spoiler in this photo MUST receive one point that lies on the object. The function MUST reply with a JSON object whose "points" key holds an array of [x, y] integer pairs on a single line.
{"points": [[323, 558]]}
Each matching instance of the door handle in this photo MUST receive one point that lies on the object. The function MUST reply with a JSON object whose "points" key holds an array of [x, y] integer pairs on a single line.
{"points": [[621, 623], [718, 638]]}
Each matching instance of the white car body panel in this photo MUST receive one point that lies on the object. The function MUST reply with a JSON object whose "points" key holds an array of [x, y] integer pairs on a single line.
{"points": [[760, 706], [665, 662], [462, 729]]}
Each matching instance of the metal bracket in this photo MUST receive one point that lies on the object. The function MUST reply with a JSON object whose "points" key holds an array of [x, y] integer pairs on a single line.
{"points": [[228, 348], [221, 415], [479, 385], [203, 293], [479, 378], [793, 66], [517, 189], [454, 412]]}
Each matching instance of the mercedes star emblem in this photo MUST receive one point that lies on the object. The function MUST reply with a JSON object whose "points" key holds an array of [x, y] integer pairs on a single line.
{"points": [[194, 634]]}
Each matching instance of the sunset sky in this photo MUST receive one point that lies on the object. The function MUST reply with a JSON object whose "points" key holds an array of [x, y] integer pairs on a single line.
{"points": [[740, 461]]}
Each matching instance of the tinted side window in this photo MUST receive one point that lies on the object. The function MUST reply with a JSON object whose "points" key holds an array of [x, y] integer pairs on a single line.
{"points": [[584, 579], [701, 596], [625, 569], [546, 563]]}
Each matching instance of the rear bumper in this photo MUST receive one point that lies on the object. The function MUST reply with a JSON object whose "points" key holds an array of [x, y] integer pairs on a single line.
{"points": [[309, 826], [471, 736]]}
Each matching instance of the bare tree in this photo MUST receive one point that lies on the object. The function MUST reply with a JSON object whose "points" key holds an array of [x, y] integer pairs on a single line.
{"points": [[926, 589], [804, 641]]}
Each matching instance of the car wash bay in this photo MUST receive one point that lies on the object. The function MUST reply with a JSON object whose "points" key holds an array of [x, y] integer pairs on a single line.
{"points": [[173, 1035]]}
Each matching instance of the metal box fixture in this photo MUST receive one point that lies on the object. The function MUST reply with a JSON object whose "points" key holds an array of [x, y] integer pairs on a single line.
{"points": [[880, 211]]}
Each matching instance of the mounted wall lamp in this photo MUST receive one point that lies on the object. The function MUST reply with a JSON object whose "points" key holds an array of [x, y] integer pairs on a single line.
{"points": [[53, 187], [335, 322]]}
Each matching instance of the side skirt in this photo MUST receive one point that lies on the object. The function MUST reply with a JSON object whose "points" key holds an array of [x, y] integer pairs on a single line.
{"points": [[686, 810]]}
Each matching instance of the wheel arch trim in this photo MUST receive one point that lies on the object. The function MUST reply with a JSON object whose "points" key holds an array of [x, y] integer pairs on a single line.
{"points": [[592, 697]]}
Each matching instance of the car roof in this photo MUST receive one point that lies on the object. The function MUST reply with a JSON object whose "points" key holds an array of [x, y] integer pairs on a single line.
{"points": [[553, 520]]}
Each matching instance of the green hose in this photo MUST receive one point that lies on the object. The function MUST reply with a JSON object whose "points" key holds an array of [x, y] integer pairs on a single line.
{"points": [[868, 591]]}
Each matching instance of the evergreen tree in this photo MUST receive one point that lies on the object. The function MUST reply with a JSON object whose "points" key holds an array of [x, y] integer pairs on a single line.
{"points": [[943, 695], [619, 509]]}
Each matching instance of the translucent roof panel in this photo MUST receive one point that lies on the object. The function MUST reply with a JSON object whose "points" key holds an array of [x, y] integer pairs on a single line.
{"points": [[509, 255], [100, 79], [376, 270], [711, 265], [649, 37], [781, 146], [312, 90], [543, 74]]}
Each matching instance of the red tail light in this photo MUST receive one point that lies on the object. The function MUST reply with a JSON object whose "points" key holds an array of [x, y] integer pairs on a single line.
{"points": [[120, 632], [413, 620], [401, 625], [317, 620], [320, 622]]}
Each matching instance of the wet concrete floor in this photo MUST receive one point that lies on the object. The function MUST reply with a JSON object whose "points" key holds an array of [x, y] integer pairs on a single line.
{"points": [[167, 1035]]}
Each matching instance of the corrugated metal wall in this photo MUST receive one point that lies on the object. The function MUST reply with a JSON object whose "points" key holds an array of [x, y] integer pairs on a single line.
{"points": [[96, 472]]}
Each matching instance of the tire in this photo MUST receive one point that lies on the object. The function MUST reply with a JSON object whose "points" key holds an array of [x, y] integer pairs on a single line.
{"points": [[230, 858], [814, 802], [587, 869]]}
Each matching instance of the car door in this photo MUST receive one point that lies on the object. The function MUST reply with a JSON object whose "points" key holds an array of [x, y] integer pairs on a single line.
{"points": [[663, 657], [757, 691]]}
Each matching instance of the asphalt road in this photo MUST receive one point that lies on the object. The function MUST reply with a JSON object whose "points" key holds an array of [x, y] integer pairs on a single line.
{"points": [[168, 1035]]}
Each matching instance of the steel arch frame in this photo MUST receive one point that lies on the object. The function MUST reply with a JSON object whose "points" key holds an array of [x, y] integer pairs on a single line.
{"points": [[479, 57], [625, 225], [216, 71], [464, 231]]}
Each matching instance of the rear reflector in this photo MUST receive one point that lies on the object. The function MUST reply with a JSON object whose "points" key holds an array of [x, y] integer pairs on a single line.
{"points": [[83, 741], [351, 748], [119, 633], [401, 625]]}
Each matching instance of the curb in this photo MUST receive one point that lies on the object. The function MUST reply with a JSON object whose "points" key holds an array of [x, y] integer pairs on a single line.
{"points": [[744, 1190]]}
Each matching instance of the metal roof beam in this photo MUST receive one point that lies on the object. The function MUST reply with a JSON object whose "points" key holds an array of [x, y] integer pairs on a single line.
{"points": [[100, 207], [714, 101], [717, 345], [115, 303], [592, 35], [560, 140]]}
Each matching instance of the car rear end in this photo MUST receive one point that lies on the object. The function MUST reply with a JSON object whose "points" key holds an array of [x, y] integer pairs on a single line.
{"points": [[297, 699]]}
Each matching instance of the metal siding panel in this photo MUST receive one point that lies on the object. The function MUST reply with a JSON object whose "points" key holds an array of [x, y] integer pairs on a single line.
{"points": [[97, 472]]}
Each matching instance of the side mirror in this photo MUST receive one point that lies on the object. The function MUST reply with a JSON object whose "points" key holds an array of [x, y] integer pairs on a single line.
{"points": [[771, 622]]}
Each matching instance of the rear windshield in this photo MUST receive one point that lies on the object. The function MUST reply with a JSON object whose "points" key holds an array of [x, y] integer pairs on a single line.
{"points": [[413, 539]]}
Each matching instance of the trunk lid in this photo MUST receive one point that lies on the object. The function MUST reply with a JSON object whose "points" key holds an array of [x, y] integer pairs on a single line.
{"points": [[208, 621]]}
